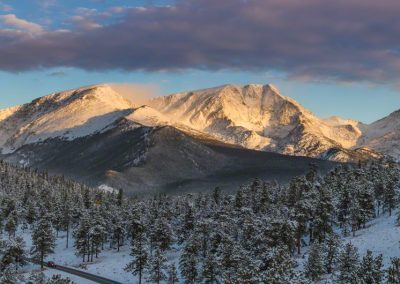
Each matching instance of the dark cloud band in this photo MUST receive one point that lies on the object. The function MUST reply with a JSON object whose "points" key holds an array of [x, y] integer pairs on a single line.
{"points": [[348, 40]]}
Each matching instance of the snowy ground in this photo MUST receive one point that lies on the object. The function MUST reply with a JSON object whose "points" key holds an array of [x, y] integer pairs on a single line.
{"points": [[380, 236], [109, 264]]}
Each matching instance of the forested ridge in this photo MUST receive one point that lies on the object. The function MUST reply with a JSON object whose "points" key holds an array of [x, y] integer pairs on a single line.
{"points": [[253, 236]]}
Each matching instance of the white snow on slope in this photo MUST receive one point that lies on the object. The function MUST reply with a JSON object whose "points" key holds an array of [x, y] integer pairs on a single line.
{"points": [[67, 115], [253, 116], [384, 135], [381, 236], [256, 117], [109, 264], [148, 116]]}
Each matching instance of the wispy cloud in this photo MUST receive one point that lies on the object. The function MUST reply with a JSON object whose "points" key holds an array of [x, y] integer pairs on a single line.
{"points": [[57, 74], [343, 40], [20, 24], [85, 23], [6, 7]]}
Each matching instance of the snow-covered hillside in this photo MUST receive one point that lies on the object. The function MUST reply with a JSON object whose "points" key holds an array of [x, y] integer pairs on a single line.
{"points": [[66, 115], [257, 117], [252, 116], [384, 135]]}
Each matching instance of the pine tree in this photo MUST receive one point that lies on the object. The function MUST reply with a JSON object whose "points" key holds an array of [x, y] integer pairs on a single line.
{"points": [[323, 214], [229, 260], [9, 275], [370, 269], [156, 270], [347, 264], [390, 197], [280, 267], [331, 250], [162, 233], [210, 269], [172, 274], [315, 265], [37, 278], [58, 279], [188, 260], [216, 195], [118, 231], [248, 269], [82, 237], [11, 224], [140, 257], [43, 239], [13, 252], [393, 272], [355, 216]]}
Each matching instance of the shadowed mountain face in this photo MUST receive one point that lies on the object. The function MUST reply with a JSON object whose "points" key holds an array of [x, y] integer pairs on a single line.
{"points": [[158, 159], [183, 142]]}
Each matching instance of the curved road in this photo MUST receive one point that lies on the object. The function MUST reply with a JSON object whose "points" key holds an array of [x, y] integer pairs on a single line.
{"points": [[82, 274], [89, 276]]}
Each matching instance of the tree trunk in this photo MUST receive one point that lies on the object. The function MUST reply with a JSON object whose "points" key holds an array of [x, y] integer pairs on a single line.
{"points": [[42, 259], [298, 244], [67, 234]]}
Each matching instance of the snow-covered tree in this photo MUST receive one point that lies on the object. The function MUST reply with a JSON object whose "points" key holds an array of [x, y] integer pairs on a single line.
{"points": [[139, 252], [37, 278], [347, 264], [172, 274], [13, 252], [393, 272], [43, 239], [331, 250], [314, 267], [370, 269], [157, 266], [189, 260]]}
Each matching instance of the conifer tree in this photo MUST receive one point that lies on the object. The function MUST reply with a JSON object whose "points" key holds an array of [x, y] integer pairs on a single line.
{"points": [[82, 237], [13, 252], [37, 278], [9, 275], [370, 270], [58, 279], [393, 272], [157, 267], [210, 269], [172, 274], [314, 267], [140, 257], [43, 239], [331, 250], [323, 214], [188, 260], [11, 224], [347, 264]]}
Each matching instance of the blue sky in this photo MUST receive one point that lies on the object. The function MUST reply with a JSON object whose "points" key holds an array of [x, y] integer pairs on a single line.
{"points": [[52, 45]]}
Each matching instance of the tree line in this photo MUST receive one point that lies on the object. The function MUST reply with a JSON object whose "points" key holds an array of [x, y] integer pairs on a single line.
{"points": [[252, 236]]}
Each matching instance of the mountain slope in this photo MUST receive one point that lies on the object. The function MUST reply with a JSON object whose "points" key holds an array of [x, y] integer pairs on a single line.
{"points": [[197, 139], [66, 115], [383, 135], [257, 117], [144, 159]]}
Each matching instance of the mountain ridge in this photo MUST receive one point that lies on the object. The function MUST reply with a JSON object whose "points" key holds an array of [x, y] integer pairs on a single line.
{"points": [[252, 116]]}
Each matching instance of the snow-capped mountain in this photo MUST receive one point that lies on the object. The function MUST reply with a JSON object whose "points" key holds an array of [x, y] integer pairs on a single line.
{"points": [[255, 117], [383, 135], [259, 117], [66, 115]]}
